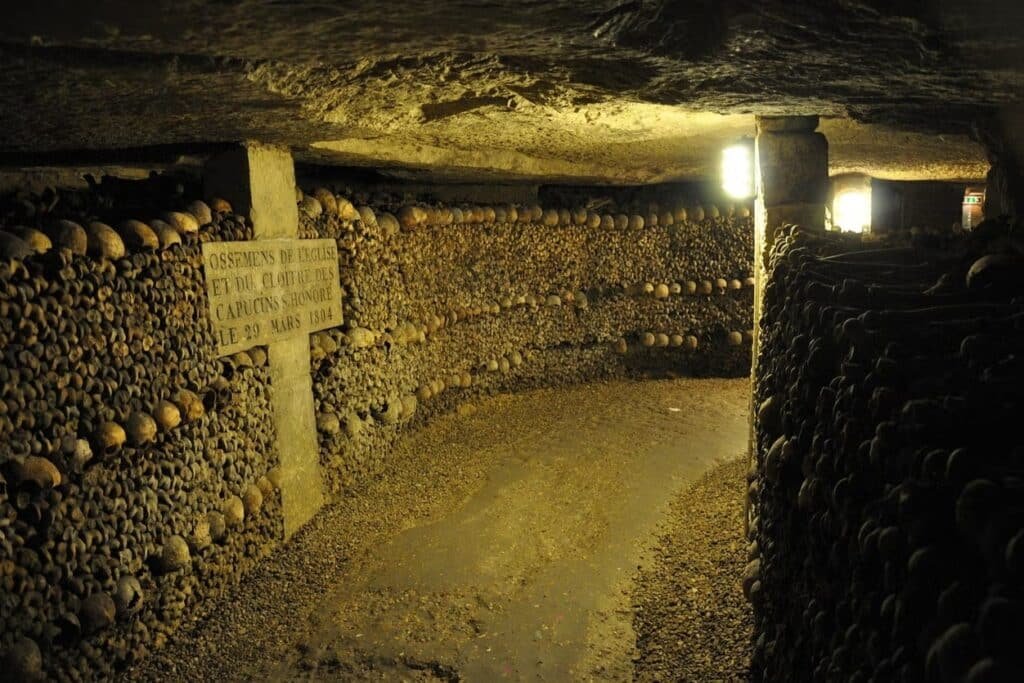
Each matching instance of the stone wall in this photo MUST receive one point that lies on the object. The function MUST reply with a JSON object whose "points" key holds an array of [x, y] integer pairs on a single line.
{"points": [[136, 468], [887, 527], [444, 304]]}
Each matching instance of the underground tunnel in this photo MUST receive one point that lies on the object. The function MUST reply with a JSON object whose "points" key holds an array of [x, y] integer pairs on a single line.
{"points": [[479, 341]]}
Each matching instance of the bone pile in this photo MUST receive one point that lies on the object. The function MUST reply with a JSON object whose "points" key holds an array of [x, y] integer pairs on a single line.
{"points": [[136, 469], [138, 474], [887, 517], [444, 304]]}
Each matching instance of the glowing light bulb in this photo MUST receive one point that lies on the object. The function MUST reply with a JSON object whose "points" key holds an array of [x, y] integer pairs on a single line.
{"points": [[851, 211], [738, 171]]}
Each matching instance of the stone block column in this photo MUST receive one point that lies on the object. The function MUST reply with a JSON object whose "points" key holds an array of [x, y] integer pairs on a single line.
{"points": [[791, 168], [259, 181], [791, 180], [1002, 134]]}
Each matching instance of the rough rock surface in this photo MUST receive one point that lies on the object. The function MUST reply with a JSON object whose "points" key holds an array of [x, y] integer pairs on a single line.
{"points": [[549, 90]]}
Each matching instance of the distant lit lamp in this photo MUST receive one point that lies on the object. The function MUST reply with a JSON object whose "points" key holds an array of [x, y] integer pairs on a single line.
{"points": [[738, 170], [851, 210]]}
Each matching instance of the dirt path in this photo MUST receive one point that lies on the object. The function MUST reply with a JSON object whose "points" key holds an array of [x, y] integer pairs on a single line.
{"points": [[691, 620], [504, 545]]}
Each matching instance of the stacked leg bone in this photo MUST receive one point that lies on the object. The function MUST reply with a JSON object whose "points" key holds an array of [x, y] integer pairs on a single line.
{"points": [[888, 524], [125, 443], [444, 304]]}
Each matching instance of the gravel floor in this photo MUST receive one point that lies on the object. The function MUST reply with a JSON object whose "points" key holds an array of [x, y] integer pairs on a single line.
{"points": [[691, 620], [502, 543]]}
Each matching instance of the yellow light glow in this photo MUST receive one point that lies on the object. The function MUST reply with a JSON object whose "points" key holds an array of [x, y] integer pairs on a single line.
{"points": [[851, 211], [738, 172]]}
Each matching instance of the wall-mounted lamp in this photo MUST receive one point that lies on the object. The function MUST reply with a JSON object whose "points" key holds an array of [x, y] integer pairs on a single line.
{"points": [[851, 203], [851, 210], [738, 170]]}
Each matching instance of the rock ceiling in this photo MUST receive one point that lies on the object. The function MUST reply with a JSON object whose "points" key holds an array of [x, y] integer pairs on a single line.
{"points": [[559, 90]]}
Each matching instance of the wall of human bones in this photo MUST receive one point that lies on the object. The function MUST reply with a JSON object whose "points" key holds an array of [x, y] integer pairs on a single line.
{"points": [[138, 474], [887, 516], [444, 304], [136, 469]]}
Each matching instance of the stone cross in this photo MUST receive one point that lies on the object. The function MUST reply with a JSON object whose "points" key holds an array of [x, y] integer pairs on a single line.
{"points": [[259, 181]]}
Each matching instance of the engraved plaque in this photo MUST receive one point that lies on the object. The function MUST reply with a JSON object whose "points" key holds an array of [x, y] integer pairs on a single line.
{"points": [[270, 290]]}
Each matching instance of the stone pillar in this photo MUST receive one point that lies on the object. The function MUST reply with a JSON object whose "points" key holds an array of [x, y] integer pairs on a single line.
{"points": [[1002, 134], [259, 181], [791, 179], [791, 167]]}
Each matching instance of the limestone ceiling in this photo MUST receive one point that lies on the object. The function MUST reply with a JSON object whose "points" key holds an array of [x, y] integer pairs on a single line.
{"points": [[604, 91]]}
